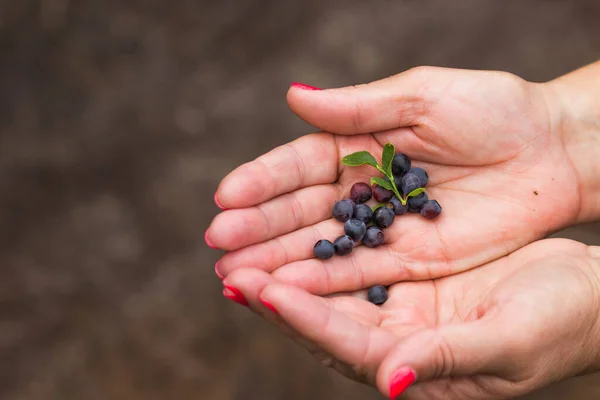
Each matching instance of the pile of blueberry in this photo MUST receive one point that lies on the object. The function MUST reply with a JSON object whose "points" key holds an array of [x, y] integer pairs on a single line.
{"points": [[366, 224]]}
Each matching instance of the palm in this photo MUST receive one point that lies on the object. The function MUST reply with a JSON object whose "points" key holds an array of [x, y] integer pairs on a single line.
{"points": [[495, 165], [515, 297]]}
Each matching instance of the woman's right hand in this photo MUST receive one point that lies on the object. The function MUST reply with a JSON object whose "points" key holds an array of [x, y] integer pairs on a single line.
{"points": [[501, 159], [494, 332]]}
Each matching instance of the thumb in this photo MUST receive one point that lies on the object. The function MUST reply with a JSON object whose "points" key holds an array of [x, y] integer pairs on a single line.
{"points": [[451, 350], [398, 101]]}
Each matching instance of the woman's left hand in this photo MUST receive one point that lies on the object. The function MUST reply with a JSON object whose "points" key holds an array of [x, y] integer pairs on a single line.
{"points": [[494, 332]]}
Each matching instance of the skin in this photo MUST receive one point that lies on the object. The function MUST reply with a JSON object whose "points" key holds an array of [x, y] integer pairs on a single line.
{"points": [[494, 332], [471, 310]]}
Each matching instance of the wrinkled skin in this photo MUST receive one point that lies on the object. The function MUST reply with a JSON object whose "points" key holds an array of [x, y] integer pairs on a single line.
{"points": [[491, 145], [494, 332]]}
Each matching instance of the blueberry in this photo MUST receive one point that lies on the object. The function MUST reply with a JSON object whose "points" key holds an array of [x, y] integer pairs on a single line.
{"points": [[399, 209], [431, 209], [374, 237], [355, 229], [360, 192], [343, 210], [398, 182], [381, 194], [343, 245], [410, 182], [363, 213], [422, 174], [383, 217], [323, 249], [377, 295], [415, 203], [400, 164]]}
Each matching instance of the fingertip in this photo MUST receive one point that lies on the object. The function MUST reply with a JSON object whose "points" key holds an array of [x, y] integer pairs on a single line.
{"points": [[218, 203], [304, 86], [208, 242]]}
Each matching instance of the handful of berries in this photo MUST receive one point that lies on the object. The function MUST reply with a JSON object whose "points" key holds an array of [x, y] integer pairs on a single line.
{"points": [[401, 191]]}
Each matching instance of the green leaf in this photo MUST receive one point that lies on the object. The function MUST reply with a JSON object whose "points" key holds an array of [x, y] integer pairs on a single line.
{"points": [[415, 192], [378, 206], [387, 157], [360, 158], [381, 182]]}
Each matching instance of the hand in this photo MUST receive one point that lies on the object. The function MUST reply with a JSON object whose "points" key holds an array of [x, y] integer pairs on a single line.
{"points": [[494, 332], [496, 162]]}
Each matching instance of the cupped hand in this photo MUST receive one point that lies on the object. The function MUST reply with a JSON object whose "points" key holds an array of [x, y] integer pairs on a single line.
{"points": [[489, 141], [494, 332]]}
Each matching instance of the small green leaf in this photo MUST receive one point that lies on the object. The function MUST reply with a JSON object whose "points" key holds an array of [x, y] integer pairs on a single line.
{"points": [[381, 182], [387, 157], [415, 192], [360, 158], [378, 206]]}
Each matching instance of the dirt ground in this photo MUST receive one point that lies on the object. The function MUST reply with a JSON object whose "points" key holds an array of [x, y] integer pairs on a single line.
{"points": [[117, 121]]}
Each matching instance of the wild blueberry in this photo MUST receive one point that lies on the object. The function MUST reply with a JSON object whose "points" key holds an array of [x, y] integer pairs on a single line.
{"points": [[431, 209], [374, 237], [377, 295], [355, 229], [363, 213], [422, 174], [410, 182], [400, 164], [381, 194], [343, 210], [415, 203], [360, 192], [343, 245], [383, 217], [399, 209], [323, 249]]}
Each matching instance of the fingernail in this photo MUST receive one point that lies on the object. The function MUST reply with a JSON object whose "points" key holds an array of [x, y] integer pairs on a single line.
{"points": [[401, 380], [269, 306], [304, 87], [212, 246], [219, 204], [234, 294], [217, 271]]}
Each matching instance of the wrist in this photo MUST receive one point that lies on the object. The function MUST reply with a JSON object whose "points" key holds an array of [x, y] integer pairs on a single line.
{"points": [[574, 107]]}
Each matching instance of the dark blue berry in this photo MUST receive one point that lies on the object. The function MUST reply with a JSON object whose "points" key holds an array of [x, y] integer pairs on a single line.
{"points": [[410, 182], [400, 164], [377, 295], [343, 245], [422, 174], [399, 208], [355, 229], [431, 209], [323, 249], [383, 217], [381, 194], [363, 213], [373, 237], [415, 203], [360, 192], [343, 210]]}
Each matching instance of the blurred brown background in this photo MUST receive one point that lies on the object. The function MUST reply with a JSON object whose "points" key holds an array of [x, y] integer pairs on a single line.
{"points": [[117, 121]]}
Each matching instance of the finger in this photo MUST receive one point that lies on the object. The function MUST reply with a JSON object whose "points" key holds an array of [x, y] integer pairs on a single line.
{"points": [[397, 101], [335, 332], [310, 160], [238, 228], [450, 350]]}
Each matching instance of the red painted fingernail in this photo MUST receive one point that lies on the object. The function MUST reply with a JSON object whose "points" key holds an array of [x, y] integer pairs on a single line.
{"points": [[217, 271], [212, 246], [219, 204], [234, 294], [401, 380], [305, 87], [269, 306]]}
